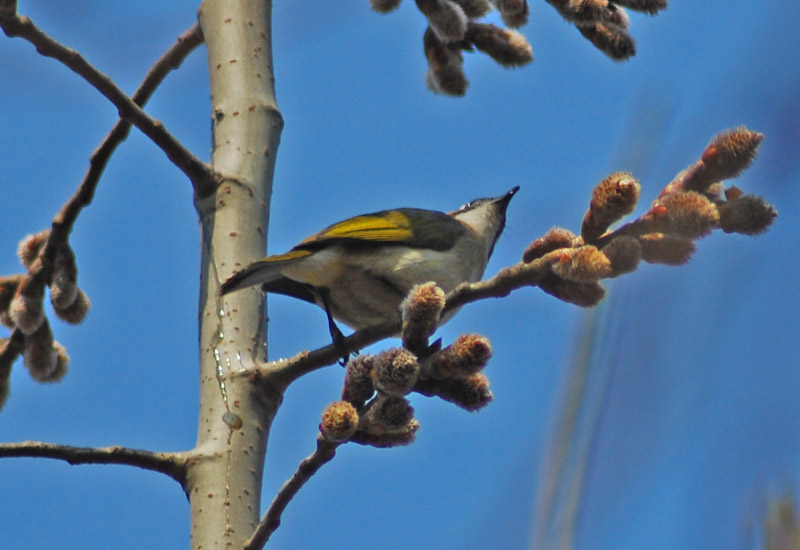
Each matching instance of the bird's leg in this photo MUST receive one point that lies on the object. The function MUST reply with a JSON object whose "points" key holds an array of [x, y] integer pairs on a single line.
{"points": [[336, 333]]}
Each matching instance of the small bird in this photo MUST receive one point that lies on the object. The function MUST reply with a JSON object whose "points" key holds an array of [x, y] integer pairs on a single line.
{"points": [[359, 270]]}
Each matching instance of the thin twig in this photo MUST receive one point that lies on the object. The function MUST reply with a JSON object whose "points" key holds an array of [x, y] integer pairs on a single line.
{"points": [[198, 172], [66, 217], [171, 464], [324, 452]]}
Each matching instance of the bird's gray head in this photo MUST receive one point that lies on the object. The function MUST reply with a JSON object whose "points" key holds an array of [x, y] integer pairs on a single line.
{"points": [[486, 216]]}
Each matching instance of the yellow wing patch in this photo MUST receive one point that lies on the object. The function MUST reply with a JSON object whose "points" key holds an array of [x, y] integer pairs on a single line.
{"points": [[392, 226], [291, 255]]}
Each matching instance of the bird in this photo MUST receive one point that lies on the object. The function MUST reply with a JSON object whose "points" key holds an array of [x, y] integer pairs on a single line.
{"points": [[359, 270]]}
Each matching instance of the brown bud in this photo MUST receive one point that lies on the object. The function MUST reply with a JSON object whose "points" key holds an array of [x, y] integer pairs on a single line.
{"points": [[514, 13], [582, 265], [730, 152], [552, 240], [690, 214], [358, 385], [647, 6], [39, 354], [624, 254], [475, 8], [26, 311], [386, 413], [76, 312], [420, 312], [30, 247], [508, 48], [384, 6], [395, 371], [580, 294], [582, 11], [445, 72], [8, 288], [658, 248], [470, 393], [64, 286], [446, 18], [614, 197], [405, 436], [747, 214], [615, 42], [339, 421], [617, 17], [9, 351], [466, 356]]}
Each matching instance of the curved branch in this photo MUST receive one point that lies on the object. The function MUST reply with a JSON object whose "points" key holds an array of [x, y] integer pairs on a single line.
{"points": [[324, 452], [198, 172], [171, 464], [170, 60]]}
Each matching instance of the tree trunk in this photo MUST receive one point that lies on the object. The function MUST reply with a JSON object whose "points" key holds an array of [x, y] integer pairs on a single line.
{"points": [[236, 407]]}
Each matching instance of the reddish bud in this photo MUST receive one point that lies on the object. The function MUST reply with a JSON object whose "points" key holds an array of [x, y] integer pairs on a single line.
{"points": [[358, 385], [446, 18], [26, 311], [648, 6], [445, 72], [582, 265], [470, 393], [508, 48], [39, 353], [552, 240], [405, 436], [395, 371], [64, 285], [624, 254], [76, 312], [386, 414], [658, 248], [690, 214], [614, 197], [730, 152], [613, 41], [466, 356], [580, 294], [582, 11], [339, 421], [420, 312], [30, 247], [475, 8], [8, 288]]}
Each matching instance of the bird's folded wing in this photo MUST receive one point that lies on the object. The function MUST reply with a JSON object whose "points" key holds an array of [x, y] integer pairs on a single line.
{"points": [[405, 226]]}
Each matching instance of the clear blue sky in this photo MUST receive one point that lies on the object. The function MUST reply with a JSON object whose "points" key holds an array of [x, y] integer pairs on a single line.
{"points": [[692, 411]]}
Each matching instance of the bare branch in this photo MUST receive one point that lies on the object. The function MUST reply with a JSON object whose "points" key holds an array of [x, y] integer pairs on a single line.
{"points": [[198, 172], [171, 59], [324, 452], [171, 464]]}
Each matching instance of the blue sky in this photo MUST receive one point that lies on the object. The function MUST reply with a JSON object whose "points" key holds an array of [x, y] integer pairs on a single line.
{"points": [[691, 418]]}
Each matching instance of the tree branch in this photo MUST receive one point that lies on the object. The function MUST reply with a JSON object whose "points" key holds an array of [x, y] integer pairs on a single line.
{"points": [[171, 464], [324, 452], [285, 371], [199, 173], [66, 217]]}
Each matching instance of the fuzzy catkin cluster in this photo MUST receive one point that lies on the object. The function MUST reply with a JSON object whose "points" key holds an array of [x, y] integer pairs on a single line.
{"points": [[22, 310], [453, 28], [374, 409], [693, 204]]}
